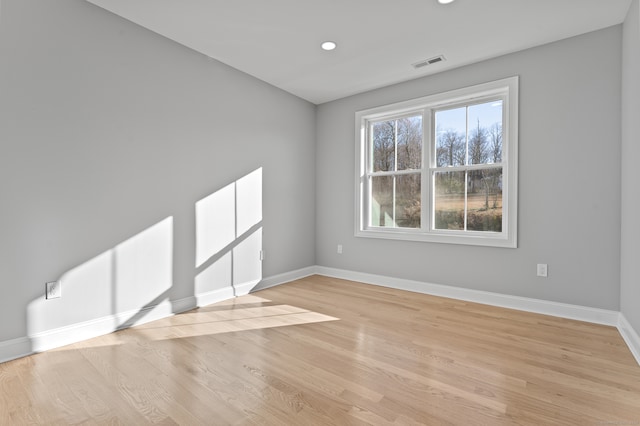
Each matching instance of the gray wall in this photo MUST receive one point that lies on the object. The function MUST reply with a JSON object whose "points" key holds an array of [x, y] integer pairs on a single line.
{"points": [[109, 132], [630, 267], [106, 130], [569, 184]]}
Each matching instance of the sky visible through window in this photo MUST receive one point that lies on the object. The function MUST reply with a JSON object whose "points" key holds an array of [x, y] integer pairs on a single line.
{"points": [[445, 185], [455, 119]]}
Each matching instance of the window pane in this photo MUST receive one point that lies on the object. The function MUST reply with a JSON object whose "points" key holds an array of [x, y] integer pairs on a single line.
{"points": [[449, 200], [409, 143], [450, 137], [405, 197], [382, 201], [485, 133], [445, 185], [484, 203], [383, 150], [408, 206]]}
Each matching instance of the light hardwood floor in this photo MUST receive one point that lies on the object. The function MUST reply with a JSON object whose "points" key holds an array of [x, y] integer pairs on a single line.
{"points": [[323, 351]]}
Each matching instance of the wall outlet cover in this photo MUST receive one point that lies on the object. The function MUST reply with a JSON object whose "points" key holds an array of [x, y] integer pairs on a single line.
{"points": [[542, 269]]}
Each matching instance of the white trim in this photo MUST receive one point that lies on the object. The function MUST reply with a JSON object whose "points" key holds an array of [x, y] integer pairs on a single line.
{"points": [[183, 305], [209, 297], [563, 310], [285, 278], [15, 348], [507, 90], [630, 336], [67, 335], [545, 307], [74, 333], [244, 288], [50, 339]]}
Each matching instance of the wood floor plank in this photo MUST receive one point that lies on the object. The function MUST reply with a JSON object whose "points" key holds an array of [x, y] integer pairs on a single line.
{"points": [[324, 351]]}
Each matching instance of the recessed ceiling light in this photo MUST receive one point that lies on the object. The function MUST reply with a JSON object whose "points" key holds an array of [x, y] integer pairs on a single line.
{"points": [[328, 45], [445, 1]]}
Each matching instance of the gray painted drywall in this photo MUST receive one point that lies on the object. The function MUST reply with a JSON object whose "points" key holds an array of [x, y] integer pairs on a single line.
{"points": [[569, 184], [108, 131], [630, 242]]}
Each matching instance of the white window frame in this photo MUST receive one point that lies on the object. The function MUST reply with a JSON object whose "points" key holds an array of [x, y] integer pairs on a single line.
{"points": [[505, 89]]}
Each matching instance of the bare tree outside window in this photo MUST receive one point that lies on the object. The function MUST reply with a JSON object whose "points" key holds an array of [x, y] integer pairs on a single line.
{"points": [[469, 199], [397, 159], [438, 168]]}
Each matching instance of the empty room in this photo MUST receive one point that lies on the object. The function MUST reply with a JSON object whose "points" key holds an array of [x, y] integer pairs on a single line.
{"points": [[288, 212]]}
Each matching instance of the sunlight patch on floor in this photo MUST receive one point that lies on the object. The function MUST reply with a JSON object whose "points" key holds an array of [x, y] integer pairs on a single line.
{"points": [[197, 323]]}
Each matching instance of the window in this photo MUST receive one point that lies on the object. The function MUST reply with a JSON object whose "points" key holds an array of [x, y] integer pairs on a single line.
{"points": [[442, 168]]}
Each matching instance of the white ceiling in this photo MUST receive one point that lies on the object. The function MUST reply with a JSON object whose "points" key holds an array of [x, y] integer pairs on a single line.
{"points": [[278, 41]]}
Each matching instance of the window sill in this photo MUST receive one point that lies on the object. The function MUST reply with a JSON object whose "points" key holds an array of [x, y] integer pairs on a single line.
{"points": [[486, 239]]}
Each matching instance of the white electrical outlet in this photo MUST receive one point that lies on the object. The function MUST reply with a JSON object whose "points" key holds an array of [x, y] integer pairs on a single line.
{"points": [[339, 248], [542, 270], [53, 290]]}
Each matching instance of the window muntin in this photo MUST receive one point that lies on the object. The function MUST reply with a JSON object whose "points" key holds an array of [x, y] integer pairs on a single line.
{"points": [[441, 168]]}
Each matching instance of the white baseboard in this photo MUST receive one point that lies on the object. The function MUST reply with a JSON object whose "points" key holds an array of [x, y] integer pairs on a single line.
{"points": [[563, 310], [245, 288], [630, 336], [62, 336], [15, 348], [67, 335], [214, 296], [50, 339], [285, 278], [74, 333], [183, 305]]}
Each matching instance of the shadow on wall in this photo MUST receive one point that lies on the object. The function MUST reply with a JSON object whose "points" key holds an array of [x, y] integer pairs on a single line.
{"points": [[130, 283]]}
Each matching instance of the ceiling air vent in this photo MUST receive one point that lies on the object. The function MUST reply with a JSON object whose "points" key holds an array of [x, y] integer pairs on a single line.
{"points": [[429, 61]]}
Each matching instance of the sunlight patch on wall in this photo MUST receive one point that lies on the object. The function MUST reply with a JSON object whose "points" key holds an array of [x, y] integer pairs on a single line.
{"points": [[229, 240], [249, 201], [121, 284], [143, 266], [217, 276], [215, 223], [247, 267]]}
